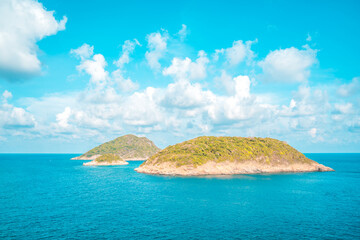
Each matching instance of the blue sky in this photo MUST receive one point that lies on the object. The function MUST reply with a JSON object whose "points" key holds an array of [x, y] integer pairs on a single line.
{"points": [[74, 75]]}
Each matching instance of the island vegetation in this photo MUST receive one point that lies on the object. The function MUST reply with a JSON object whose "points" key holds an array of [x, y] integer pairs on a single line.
{"points": [[128, 147], [107, 159], [229, 155]]}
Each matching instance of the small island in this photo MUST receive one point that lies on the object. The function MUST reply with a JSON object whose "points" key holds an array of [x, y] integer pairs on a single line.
{"points": [[229, 155], [107, 160], [128, 147]]}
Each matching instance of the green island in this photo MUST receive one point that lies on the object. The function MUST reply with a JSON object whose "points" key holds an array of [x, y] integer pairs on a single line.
{"points": [[128, 147], [107, 159], [229, 155]]}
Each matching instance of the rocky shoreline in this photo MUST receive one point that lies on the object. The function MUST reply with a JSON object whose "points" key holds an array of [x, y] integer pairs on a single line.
{"points": [[96, 156], [229, 168], [85, 158], [94, 163]]}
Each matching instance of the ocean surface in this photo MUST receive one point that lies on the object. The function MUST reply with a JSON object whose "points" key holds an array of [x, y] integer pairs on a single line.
{"points": [[48, 196]]}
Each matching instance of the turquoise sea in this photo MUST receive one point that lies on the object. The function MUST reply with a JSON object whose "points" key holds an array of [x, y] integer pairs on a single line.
{"points": [[47, 196]]}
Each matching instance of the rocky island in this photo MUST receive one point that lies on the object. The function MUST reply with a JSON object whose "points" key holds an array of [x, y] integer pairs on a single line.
{"points": [[229, 155], [128, 147], [107, 160]]}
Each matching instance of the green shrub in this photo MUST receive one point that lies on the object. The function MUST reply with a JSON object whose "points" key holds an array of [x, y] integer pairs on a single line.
{"points": [[109, 157], [240, 149], [128, 146]]}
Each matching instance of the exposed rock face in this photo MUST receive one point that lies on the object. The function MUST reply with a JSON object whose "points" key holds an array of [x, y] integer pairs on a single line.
{"points": [[107, 160], [214, 168], [128, 147], [229, 155]]}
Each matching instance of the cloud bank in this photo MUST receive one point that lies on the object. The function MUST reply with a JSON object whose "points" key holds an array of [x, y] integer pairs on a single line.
{"points": [[199, 95], [22, 24]]}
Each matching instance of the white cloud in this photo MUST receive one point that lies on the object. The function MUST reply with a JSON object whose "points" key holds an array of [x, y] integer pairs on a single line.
{"points": [[217, 54], [186, 69], [69, 119], [6, 95], [225, 81], [18, 117], [183, 94], [112, 104], [240, 106], [237, 53], [142, 108], [313, 132], [242, 87], [308, 38], [95, 68], [238, 86], [157, 44], [350, 89], [14, 117], [63, 118], [183, 32], [127, 49], [288, 65], [84, 52], [124, 84], [292, 104], [92, 121], [343, 108], [22, 24], [307, 102]]}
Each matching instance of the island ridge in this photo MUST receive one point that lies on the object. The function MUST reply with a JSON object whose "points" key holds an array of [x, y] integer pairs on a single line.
{"points": [[127, 147], [107, 160], [229, 155]]}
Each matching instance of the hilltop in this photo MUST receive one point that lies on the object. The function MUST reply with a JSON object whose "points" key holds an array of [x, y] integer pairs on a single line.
{"points": [[128, 147], [229, 155], [107, 159]]}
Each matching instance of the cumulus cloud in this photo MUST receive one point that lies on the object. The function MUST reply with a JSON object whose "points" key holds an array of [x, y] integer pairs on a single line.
{"points": [[112, 104], [6, 95], [183, 32], [186, 69], [226, 82], [313, 132], [343, 108], [22, 24], [95, 67], [157, 44], [237, 53], [290, 65], [14, 117], [343, 112], [127, 48], [308, 38], [63, 118], [307, 102], [142, 109], [239, 107], [183, 94], [350, 89], [69, 119], [124, 84], [242, 87], [83, 52]]}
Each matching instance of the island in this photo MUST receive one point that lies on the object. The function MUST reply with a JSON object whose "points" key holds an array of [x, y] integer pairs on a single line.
{"points": [[128, 147], [229, 155], [106, 160]]}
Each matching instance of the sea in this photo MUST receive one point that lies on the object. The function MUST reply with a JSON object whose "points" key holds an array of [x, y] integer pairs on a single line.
{"points": [[49, 196]]}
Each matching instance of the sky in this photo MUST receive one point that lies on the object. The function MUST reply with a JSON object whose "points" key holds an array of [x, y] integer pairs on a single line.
{"points": [[74, 75]]}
